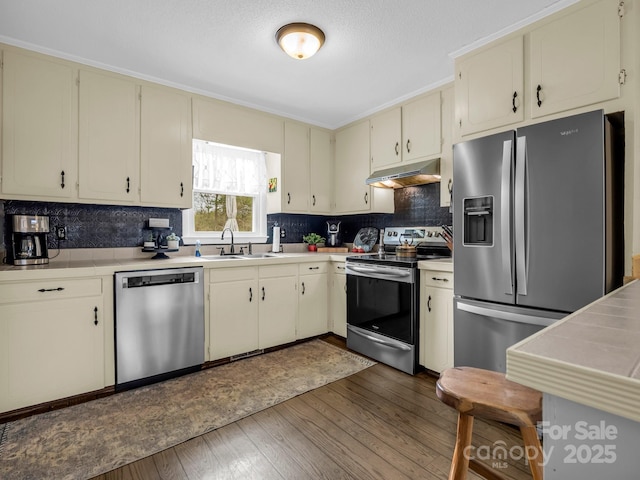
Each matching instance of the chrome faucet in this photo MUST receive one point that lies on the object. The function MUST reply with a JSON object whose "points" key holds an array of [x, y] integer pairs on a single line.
{"points": [[222, 238]]}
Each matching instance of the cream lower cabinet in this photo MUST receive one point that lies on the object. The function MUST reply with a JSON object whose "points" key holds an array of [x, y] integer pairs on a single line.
{"points": [[338, 299], [313, 299], [436, 320], [52, 339], [278, 305], [233, 311]]}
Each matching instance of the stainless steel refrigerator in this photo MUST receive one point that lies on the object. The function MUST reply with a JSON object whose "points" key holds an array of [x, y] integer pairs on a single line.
{"points": [[537, 230]]}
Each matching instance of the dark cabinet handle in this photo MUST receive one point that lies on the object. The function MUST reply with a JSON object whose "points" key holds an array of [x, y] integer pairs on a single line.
{"points": [[409, 146], [437, 279], [314, 200], [366, 198], [95, 316], [263, 294], [450, 186], [250, 294], [181, 189], [62, 179], [513, 102], [128, 184], [314, 268], [59, 289], [288, 198], [303, 289], [397, 149], [538, 90], [429, 303]]}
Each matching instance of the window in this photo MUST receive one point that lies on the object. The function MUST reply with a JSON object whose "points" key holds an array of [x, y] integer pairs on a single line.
{"points": [[229, 191]]}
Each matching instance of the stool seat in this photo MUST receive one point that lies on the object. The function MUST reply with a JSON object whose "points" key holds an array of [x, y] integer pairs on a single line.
{"points": [[475, 392]]}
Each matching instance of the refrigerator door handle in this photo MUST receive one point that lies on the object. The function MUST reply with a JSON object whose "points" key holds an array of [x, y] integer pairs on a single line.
{"points": [[520, 206], [508, 316], [505, 216]]}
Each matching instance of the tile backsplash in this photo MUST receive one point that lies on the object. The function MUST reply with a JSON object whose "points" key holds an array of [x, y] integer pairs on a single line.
{"points": [[108, 226]]}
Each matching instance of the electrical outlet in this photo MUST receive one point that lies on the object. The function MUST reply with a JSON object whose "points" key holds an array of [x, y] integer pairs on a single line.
{"points": [[283, 233], [61, 232]]}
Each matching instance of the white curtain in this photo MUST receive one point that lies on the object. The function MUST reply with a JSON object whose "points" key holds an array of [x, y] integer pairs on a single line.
{"points": [[232, 211], [227, 170]]}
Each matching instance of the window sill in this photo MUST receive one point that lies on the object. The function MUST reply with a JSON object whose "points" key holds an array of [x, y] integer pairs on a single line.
{"points": [[215, 239]]}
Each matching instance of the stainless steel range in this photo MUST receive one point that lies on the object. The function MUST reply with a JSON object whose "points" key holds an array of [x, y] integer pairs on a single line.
{"points": [[383, 307]]}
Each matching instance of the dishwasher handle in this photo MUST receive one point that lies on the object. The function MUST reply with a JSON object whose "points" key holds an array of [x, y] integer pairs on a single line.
{"points": [[156, 279]]}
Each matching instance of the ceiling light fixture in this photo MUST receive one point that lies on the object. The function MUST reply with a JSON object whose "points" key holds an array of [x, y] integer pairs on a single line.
{"points": [[300, 40]]}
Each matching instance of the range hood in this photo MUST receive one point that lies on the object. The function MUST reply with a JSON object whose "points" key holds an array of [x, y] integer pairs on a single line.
{"points": [[406, 175]]}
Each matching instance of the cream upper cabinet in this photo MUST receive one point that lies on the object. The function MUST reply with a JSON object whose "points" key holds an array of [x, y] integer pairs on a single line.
{"points": [[233, 315], [165, 148], [235, 125], [313, 299], [421, 128], [109, 138], [436, 320], [386, 135], [295, 175], [320, 171], [575, 60], [489, 87], [446, 158], [39, 127], [351, 169]]}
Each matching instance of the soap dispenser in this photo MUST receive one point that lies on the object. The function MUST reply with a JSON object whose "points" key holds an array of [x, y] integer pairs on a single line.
{"points": [[198, 248]]}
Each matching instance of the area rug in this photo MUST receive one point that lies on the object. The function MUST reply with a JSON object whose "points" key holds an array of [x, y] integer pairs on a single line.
{"points": [[85, 440]]}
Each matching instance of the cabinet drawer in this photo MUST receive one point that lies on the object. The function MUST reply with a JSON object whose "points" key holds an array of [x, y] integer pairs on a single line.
{"points": [[218, 275], [438, 279], [312, 268], [274, 271], [50, 290], [338, 267]]}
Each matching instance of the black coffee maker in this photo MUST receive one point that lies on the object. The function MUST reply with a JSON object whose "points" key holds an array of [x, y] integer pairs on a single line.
{"points": [[29, 239], [333, 234]]}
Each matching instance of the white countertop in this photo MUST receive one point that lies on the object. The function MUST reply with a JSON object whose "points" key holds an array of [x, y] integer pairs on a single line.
{"points": [[590, 357]]}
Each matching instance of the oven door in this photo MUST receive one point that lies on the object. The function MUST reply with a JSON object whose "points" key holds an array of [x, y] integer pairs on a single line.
{"points": [[382, 299]]}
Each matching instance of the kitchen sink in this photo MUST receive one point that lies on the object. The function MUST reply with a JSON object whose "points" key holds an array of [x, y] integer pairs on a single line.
{"points": [[259, 255], [221, 257]]}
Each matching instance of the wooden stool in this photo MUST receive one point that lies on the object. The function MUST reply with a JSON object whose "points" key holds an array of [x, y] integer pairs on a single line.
{"points": [[485, 394]]}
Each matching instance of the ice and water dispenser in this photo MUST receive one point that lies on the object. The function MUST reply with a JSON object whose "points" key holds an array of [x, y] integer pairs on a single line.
{"points": [[478, 221]]}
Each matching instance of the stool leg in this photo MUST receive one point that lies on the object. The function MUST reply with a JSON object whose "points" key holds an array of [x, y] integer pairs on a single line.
{"points": [[533, 451], [460, 461]]}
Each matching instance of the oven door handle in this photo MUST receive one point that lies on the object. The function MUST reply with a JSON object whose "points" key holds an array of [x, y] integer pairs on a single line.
{"points": [[378, 271], [396, 345]]}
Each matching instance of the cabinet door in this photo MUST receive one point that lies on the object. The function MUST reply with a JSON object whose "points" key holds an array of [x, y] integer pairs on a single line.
{"points": [[39, 125], [165, 148], [50, 350], [489, 87], [437, 333], [233, 318], [421, 135], [320, 171], [338, 302], [386, 135], [313, 302], [575, 60], [446, 158], [278, 311], [295, 189], [352, 194], [109, 151]]}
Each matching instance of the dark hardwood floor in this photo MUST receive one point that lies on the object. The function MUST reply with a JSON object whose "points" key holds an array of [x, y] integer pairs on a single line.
{"points": [[377, 424]]}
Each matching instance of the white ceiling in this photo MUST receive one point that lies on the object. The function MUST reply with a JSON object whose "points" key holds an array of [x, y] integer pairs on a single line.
{"points": [[377, 52]]}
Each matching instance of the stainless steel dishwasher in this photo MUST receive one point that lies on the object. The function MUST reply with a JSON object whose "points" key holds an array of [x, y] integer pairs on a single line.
{"points": [[159, 324]]}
